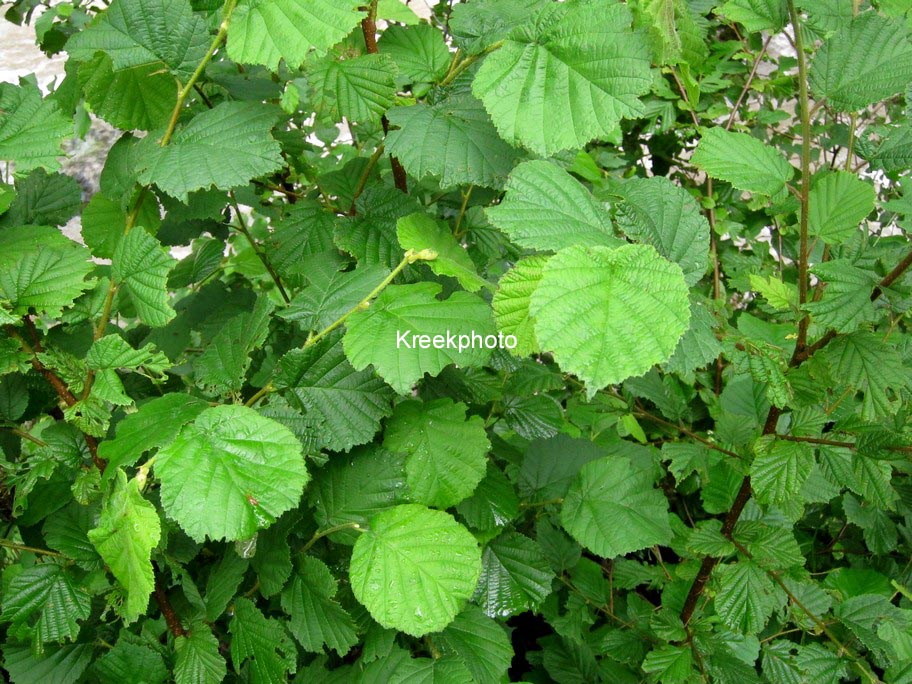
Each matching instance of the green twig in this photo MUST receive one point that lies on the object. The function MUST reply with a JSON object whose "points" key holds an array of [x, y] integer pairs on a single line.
{"points": [[319, 534]]}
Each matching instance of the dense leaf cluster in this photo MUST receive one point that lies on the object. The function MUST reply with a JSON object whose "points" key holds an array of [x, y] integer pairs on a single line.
{"points": [[219, 462]]}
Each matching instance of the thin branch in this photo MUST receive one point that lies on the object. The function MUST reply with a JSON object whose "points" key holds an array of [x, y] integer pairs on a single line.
{"points": [[319, 534], [14, 546], [242, 229], [167, 610]]}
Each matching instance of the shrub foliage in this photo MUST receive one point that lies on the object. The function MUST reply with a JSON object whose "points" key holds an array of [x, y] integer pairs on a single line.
{"points": [[240, 444]]}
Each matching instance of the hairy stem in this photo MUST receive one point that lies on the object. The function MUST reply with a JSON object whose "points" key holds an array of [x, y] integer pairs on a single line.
{"points": [[167, 610]]}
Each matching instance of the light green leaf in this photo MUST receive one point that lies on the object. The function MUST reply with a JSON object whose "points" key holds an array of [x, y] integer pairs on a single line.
{"points": [[757, 15], [414, 569], [353, 489], [230, 472], [453, 140], [512, 300], [140, 267], [262, 641], [480, 642], [63, 665], [419, 52], [265, 31], [140, 97], [198, 157], [585, 49], [112, 353], [613, 509], [135, 33], [316, 618], [669, 664], [677, 34], [344, 406], [445, 451], [398, 11], [419, 231], [48, 600], [846, 302], [866, 62], [515, 576], [779, 294], [779, 470], [198, 659], [31, 128], [742, 160], [404, 311], [222, 367], [43, 199], [546, 208], [609, 314], [41, 269], [358, 89], [154, 425], [838, 202], [128, 529], [550, 466], [657, 212], [745, 598]]}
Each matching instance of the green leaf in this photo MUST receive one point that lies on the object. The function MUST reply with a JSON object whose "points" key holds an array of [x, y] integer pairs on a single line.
{"points": [[353, 489], [111, 353], [549, 466], [330, 292], [894, 150], [584, 49], [419, 51], [230, 472], [515, 576], [866, 62], [838, 202], [41, 269], [403, 311], [453, 140], [479, 24], [63, 665], [262, 641], [699, 345], [863, 361], [266, 31], [223, 583], [135, 33], [779, 294], [414, 569], [358, 89], [742, 160], [122, 662], [43, 199], [370, 236], [609, 314], [677, 33], [198, 157], [128, 529], [418, 232], [198, 659], [846, 302], [669, 664], [657, 212], [480, 642], [512, 300], [780, 469], [613, 509], [154, 425], [745, 598], [445, 451], [546, 208], [140, 97], [140, 268], [343, 405], [48, 600], [31, 128], [316, 618], [757, 15], [223, 365]]}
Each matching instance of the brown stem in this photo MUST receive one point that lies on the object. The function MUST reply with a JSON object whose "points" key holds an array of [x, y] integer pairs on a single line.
{"points": [[369, 29], [167, 611]]}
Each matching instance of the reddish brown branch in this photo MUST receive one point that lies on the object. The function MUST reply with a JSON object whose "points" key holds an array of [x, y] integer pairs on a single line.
{"points": [[167, 610], [369, 29]]}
